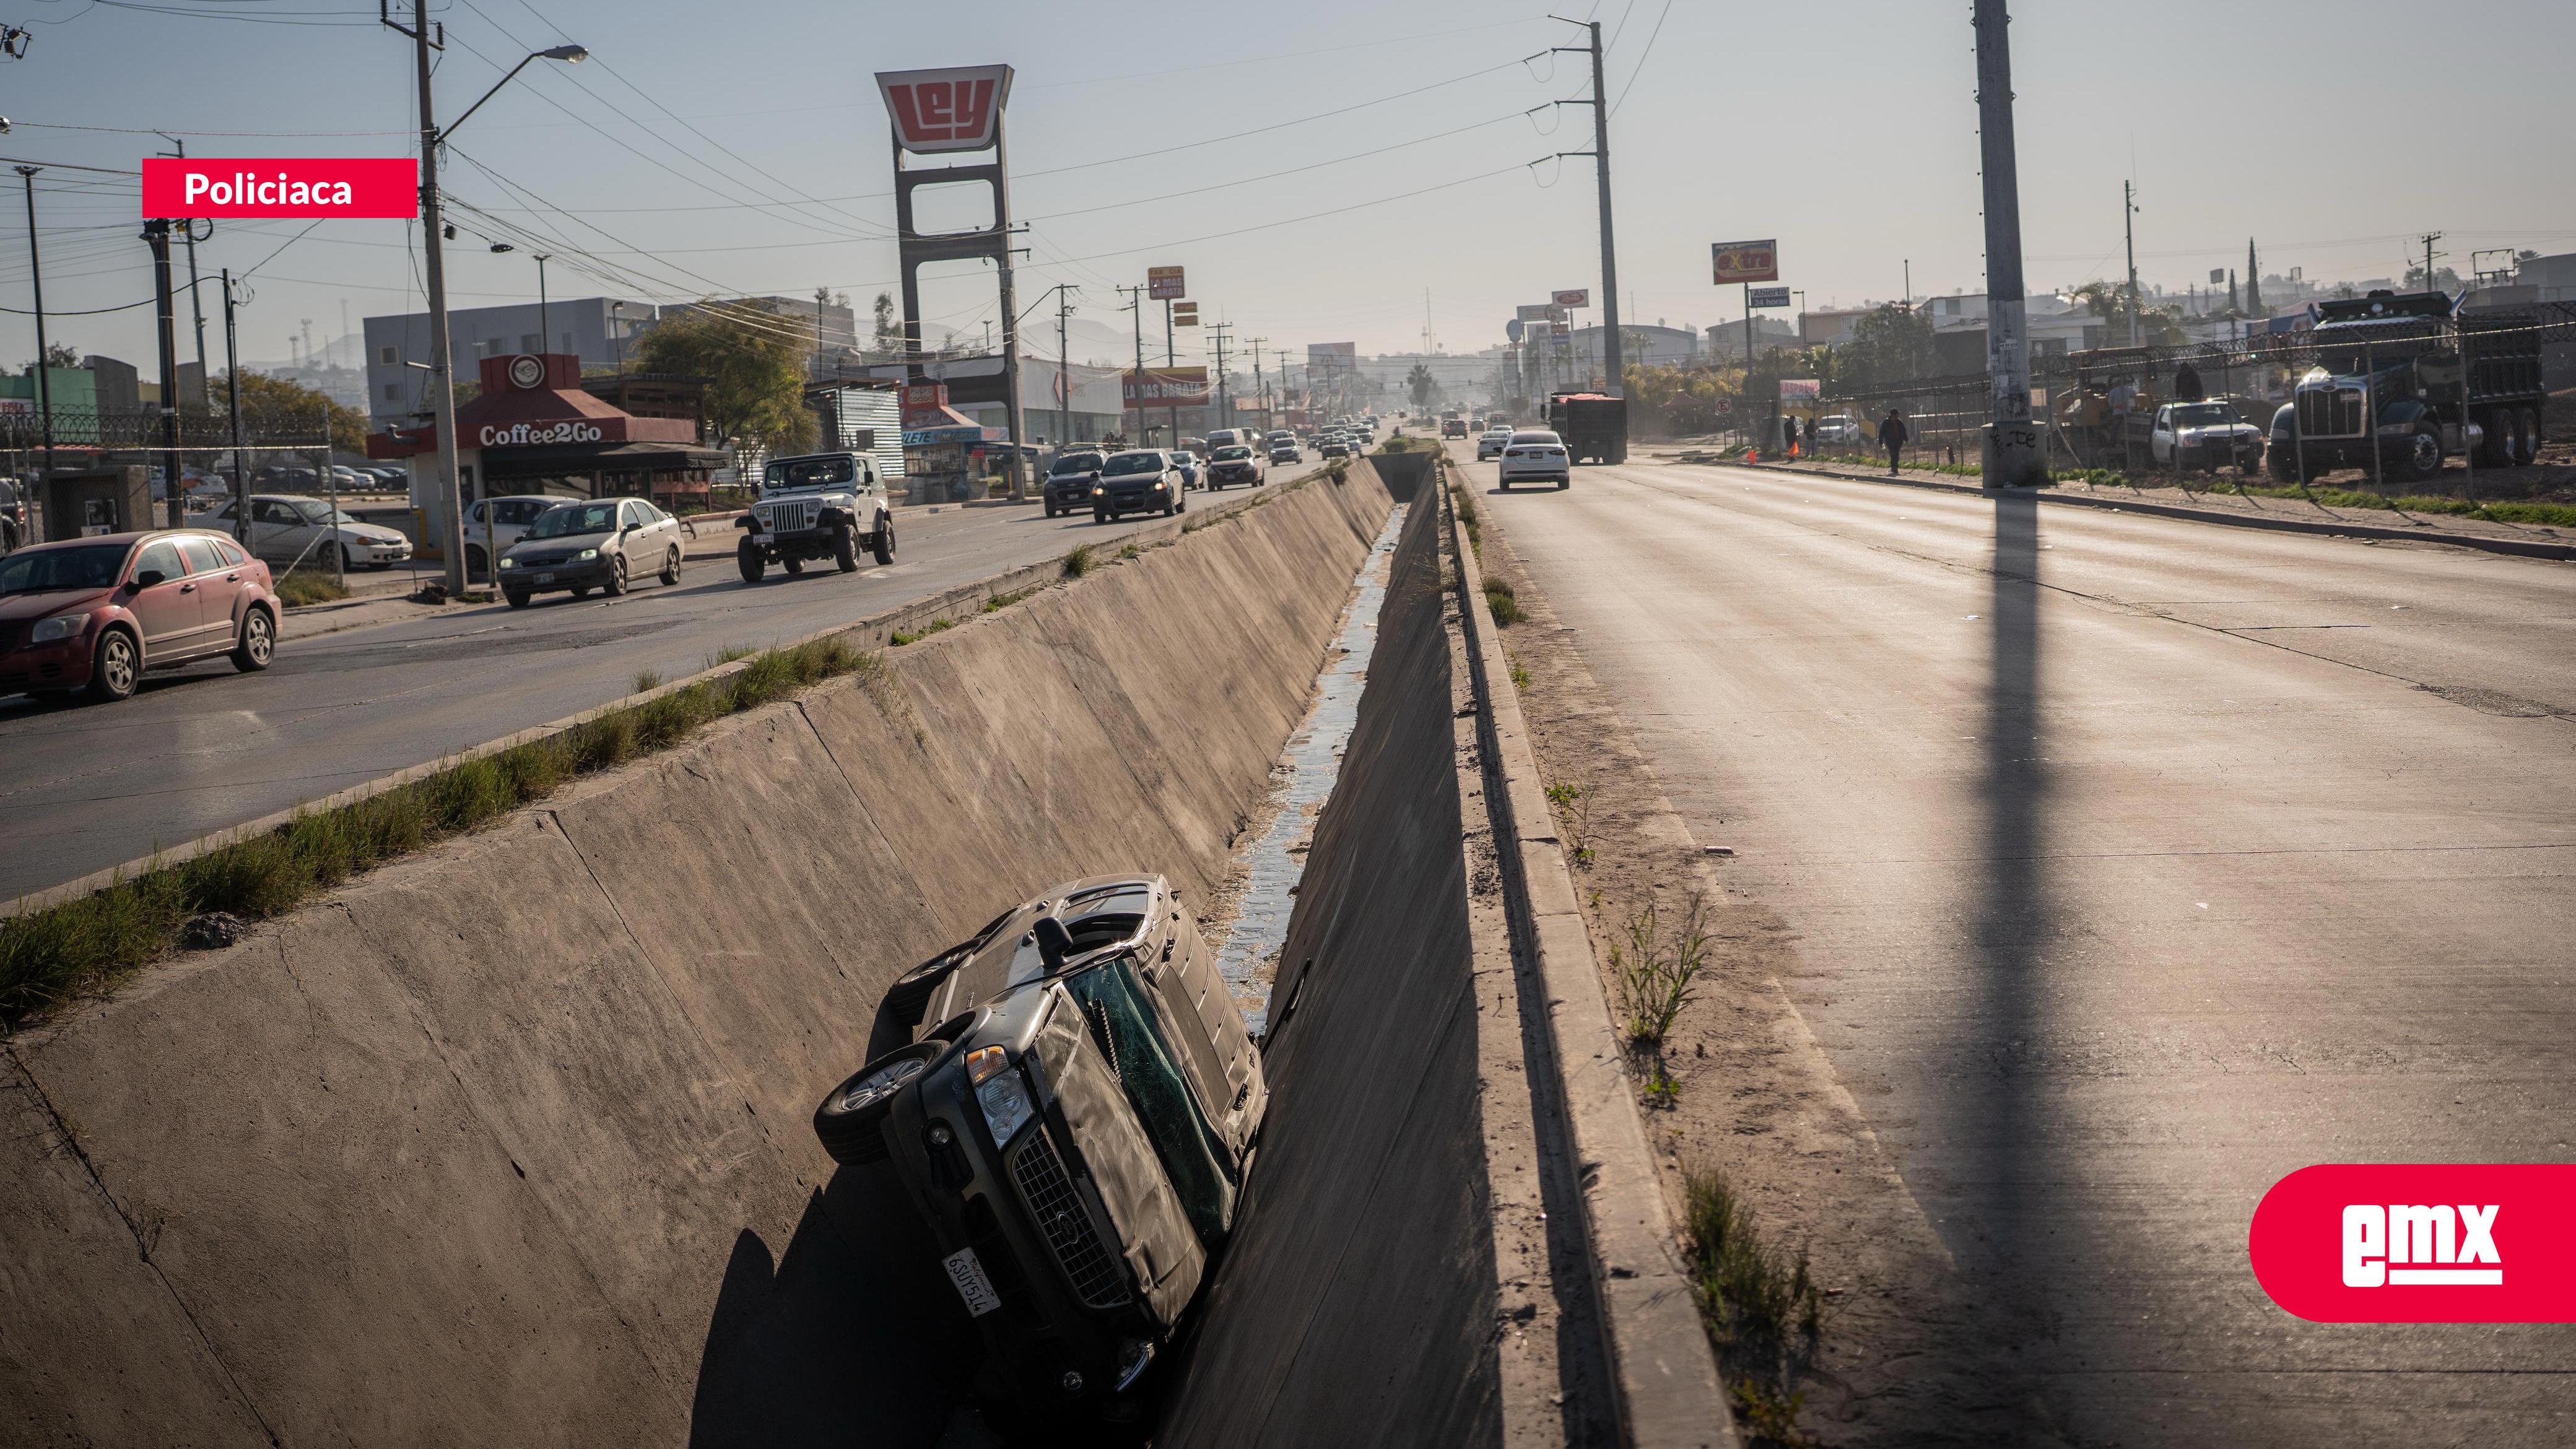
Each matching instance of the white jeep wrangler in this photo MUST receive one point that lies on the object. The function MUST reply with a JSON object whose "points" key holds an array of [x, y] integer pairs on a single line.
{"points": [[821, 505]]}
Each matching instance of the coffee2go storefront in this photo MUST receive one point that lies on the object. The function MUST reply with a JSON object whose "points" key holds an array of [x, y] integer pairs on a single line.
{"points": [[532, 430]]}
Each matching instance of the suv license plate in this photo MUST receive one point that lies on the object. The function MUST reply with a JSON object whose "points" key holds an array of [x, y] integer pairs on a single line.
{"points": [[972, 1285], [545, 578]]}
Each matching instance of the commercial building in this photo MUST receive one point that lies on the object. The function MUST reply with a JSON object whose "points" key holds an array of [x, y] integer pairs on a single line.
{"points": [[594, 330]]}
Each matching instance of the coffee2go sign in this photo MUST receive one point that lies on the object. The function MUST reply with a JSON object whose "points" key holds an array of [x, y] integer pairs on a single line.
{"points": [[2420, 1243]]}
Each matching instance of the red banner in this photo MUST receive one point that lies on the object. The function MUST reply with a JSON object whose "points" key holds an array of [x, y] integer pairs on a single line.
{"points": [[2420, 1243], [1165, 387], [326, 186]]}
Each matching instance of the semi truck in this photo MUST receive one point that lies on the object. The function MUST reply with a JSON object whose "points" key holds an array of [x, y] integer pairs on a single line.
{"points": [[2404, 381], [1594, 427]]}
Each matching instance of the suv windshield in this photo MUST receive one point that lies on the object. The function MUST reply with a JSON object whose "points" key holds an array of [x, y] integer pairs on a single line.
{"points": [[36, 571], [1077, 463], [1228, 454], [1127, 463], [808, 473], [567, 519]]}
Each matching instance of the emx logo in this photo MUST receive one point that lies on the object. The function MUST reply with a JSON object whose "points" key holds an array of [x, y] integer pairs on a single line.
{"points": [[2420, 1243]]}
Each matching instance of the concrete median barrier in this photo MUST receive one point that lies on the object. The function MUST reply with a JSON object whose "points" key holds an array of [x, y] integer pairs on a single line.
{"points": [[507, 1142]]}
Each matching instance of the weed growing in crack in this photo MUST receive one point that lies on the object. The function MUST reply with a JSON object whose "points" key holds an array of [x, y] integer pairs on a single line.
{"points": [[1656, 968], [1077, 561], [1573, 805], [1505, 604], [1759, 1305]]}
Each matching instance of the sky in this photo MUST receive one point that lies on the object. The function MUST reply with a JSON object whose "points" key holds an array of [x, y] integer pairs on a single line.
{"points": [[1334, 171]]}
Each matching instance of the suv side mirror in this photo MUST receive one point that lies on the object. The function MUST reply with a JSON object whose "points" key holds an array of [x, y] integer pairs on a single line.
{"points": [[1054, 942], [148, 578]]}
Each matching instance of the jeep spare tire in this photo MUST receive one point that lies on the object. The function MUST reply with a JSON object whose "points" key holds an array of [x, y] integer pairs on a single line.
{"points": [[851, 1121]]}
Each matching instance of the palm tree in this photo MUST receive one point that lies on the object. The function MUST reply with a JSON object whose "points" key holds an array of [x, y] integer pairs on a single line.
{"points": [[1421, 384]]}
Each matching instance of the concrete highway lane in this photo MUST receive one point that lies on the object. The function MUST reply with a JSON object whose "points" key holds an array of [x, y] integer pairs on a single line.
{"points": [[86, 787], [2132, 864]]}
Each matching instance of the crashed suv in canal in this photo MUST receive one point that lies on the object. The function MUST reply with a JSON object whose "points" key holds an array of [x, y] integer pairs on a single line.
{"points": [[1074, 1122]]}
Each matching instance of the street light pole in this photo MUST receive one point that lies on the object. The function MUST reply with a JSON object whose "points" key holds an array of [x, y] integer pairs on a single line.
{"points": [[156, 234], [232, 404], [545, 328], [442, 383]]}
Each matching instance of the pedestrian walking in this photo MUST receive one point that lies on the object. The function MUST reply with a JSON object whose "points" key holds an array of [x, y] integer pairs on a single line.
{"points": [[1893, 435]]}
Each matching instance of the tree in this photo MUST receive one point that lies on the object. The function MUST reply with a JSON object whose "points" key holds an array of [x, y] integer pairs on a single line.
{"points": [[1892, 344], [1421, 384], [61, 354], [888, 341], [274, 409], [2157, 326], [753, 366]]}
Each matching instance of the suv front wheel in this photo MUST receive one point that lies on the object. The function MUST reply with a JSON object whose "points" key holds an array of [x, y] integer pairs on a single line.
{"points": [[845, 547], [851, 1121], [746, 556], [883, 542]]}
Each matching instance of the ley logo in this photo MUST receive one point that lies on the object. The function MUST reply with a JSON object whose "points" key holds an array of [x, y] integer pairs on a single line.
{"points": [[955, 109], [2420, 1243]]}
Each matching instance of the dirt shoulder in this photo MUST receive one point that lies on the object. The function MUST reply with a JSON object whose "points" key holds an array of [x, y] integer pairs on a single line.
{"points": [[1900, 1359]]}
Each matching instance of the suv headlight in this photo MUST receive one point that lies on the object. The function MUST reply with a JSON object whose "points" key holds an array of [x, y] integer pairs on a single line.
{"points": [[586, 555], [61, 626], [1000, 1091], [509, 563]]}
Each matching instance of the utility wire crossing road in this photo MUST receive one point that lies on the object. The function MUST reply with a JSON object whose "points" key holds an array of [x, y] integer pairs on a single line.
{"points": [[2129, 865]]}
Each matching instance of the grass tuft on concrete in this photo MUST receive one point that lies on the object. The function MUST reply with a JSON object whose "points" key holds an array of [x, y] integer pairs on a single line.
{"points": [[1505, 604], [52, 956], [1078, 561], [1760, 1305], [308, 586]]}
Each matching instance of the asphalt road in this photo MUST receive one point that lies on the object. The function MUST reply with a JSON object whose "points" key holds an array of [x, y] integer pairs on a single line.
{"points": [[2132, 864], [86, 787]]}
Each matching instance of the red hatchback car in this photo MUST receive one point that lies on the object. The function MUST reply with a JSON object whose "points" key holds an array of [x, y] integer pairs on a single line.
{"points": [[94, 613]]}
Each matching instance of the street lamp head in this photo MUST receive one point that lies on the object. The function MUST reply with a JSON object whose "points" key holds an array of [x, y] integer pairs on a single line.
{"points": [[503, 247], [571, 54]]}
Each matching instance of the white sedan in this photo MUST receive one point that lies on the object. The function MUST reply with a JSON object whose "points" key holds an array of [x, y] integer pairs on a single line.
{"points": [[290, 529], [1535, 455], [1492, 443]]}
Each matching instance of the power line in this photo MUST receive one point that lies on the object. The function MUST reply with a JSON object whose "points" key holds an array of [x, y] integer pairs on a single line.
{"points": [[1642, 57]]}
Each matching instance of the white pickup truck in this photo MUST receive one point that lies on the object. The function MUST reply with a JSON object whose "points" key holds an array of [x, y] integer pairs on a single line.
{"points": [[818, 506], [2210, 435]]}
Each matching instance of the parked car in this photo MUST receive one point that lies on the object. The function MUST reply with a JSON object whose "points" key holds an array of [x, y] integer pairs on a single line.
{"points": [[93, 614], [1838, 428], [1075, 1126], [289, 528], [599, 543], [511, 517], [2210, 435], [13, 514], [1234, 463], [1069, 480], [1187, 461], [1492, 443], [1141, 480], [1535, 455], [816, 506]]}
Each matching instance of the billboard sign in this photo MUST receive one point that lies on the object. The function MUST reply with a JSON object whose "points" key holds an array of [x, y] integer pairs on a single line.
{"points": [[1800, 389], [1560, 329], [1746, 261], [1164, 387], [955, 109], [270, 187], [1332, 357], [1575, 297], [1185, 314], [1770, 297], [1165, 284]]}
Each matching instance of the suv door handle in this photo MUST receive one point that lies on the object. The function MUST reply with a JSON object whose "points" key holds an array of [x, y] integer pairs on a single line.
{"points": [[187, 588]]}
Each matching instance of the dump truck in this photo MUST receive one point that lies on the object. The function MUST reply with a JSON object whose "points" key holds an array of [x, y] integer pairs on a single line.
{"points": [[1594, 427], [2403, 381]]}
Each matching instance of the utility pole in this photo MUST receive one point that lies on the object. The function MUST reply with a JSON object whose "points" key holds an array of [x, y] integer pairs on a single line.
{"points": [[232, 404], [1136, 315], [2011, 451], [545, 327], [156, 235], [1224, 399], [44, 382], [442, 384], [1063, 364], [1611, 361], [1261, 387], [2431, 237], [2129, 236]]}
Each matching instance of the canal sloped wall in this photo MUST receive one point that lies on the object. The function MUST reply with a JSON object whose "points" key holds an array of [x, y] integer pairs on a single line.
{"points": [[1356, 1304], [508, 1143]]}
